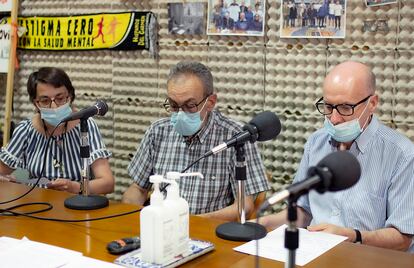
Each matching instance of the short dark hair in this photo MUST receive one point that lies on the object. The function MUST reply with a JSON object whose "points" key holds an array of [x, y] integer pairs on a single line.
{"points": [[52, 76], [194, 68]]}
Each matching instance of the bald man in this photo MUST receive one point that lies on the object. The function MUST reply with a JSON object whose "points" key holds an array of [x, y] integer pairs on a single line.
{"points": [[379, 209]]}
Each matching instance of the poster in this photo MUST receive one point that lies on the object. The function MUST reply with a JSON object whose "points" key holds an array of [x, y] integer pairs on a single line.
{"points": [[4, 47], [117, 31], [313, 19], [236, 17]]}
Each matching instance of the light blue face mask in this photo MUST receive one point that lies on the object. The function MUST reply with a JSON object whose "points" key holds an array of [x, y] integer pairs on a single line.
{"points": [[54, 116], [187, 124], [347, 131]]}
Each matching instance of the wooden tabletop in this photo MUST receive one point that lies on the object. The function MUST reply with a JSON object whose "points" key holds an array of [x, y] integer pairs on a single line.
{"points": [[91, 237]]}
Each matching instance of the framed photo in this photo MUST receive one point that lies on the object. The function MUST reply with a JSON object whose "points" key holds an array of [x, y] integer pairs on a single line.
{"points": [[312, 18], [373, 3], [5, 5], [186, 18], [236, 17]]}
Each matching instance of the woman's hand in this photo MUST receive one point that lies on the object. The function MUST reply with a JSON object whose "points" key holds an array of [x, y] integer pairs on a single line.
{"points": [[64, 185]]}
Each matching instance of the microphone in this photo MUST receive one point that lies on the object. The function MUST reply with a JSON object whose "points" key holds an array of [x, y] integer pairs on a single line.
{"points": [[335, 172], [99, 108], [263, 127]]}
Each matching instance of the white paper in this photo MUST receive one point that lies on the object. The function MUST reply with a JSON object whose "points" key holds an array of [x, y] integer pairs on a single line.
{"points": [[90, 263], [311, 245], [25, 253]]}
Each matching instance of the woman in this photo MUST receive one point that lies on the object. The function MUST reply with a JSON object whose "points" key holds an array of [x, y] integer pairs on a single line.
{"points": [[52, 94]]}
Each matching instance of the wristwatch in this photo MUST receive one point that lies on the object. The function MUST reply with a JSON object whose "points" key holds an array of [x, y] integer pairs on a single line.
{"points": [[358, 236]]}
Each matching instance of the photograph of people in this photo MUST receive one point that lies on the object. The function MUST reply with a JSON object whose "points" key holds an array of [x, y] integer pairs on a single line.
{"points": [[236, 17], [312, 18]]}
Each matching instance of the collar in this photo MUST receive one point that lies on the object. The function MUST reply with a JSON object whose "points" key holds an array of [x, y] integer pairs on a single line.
{"points": [[363, 139], [204, 131]]}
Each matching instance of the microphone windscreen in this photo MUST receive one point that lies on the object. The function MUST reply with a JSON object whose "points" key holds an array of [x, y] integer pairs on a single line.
{"points": [[102, 107], [267, 124], [344, 167]]}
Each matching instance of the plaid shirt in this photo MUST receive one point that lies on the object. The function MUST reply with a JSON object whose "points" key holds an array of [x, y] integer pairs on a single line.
{"points": [[163, 149]]}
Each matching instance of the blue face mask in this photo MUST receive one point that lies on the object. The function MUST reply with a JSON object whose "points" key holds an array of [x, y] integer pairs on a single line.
{"points": [[187, 124], [347, 131], [54, 116]]}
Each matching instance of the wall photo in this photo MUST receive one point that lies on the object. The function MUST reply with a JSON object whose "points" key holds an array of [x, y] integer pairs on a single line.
{"points": [[186, 18], [236, 17], [313, 19], [373, 3]]}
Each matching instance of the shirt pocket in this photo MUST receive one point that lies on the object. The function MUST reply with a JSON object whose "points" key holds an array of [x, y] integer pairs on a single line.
{"points": [[365, 211]]}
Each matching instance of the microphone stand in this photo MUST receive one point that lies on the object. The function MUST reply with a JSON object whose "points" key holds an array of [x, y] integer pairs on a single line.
{"points": [[84, 201], [291, 233], [240, 231]]}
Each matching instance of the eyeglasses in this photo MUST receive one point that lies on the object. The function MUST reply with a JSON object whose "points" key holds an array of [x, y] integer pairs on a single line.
{"points": [[172, 107], [46, 102], [342, 109]]}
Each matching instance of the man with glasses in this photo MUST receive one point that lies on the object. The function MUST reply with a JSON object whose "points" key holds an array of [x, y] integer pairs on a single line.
{"points": [[379, 209], [193, 128]]}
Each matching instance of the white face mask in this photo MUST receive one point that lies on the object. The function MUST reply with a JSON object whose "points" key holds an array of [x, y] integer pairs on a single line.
{"points": [[347, 131]]}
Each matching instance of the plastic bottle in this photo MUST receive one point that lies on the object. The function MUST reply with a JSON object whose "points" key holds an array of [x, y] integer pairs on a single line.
{"points": [[156, 227], [180, 208]]}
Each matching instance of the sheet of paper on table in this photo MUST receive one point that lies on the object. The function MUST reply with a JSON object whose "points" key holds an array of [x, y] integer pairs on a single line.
{"points": [[311, 245]]}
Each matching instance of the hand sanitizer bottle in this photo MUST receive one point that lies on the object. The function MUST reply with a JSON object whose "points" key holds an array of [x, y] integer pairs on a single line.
{"points": [[180, 208], [156, 226]]}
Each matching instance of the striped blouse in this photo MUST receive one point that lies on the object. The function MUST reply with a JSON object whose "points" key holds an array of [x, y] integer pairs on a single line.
{"points": [[27, 150]]}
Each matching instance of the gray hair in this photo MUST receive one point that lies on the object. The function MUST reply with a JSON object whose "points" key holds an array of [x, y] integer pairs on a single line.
{"points": [[194, 68]]}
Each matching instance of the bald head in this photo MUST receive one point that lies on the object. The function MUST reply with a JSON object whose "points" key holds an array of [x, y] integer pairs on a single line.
{"points": [[350, 83], [351, 76]]}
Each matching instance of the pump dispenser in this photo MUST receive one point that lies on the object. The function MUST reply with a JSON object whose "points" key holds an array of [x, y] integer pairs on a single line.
{"points": [[156, 227], [181, 213], [180, 208]]}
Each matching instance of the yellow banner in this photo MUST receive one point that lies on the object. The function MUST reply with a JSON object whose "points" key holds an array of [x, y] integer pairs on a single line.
{"points": [[125, 31]]}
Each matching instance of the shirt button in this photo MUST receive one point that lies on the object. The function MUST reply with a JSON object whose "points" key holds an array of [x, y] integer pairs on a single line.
{"points": [[213, 177], [335, 213]]}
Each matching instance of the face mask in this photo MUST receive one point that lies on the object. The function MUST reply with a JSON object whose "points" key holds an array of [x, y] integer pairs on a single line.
{"points": [[347, 131], [187, 124], [54, 116]]}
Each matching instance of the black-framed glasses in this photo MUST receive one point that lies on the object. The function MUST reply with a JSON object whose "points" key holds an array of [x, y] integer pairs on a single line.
{"points": [[343, 109], [172, 107], [46, 102]]}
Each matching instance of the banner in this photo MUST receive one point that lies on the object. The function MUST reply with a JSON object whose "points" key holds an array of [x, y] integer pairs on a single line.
{"points": [[117, 31], [4, 47]]}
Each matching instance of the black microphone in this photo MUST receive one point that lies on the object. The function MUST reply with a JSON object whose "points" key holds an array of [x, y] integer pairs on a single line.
{"points": [[335, 172], [265, 126], [99, 108]]}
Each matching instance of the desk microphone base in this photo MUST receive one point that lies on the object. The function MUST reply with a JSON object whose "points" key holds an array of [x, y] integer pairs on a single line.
{"points": [[89, 202], [236, 231]]}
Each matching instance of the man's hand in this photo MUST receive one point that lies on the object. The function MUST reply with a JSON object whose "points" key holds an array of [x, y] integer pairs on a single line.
{"points": [[334, 229], [64, 185]]}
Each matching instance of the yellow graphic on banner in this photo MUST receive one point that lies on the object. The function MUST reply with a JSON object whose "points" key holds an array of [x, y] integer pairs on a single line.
{"points": [[96, 31]]}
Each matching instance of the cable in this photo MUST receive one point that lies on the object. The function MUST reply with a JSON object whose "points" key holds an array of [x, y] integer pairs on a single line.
{"points": [[9, 211], [61, 220], [41, 173]]}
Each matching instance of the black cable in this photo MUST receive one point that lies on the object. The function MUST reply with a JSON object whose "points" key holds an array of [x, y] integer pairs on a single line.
{"points": [[41, 173], [64, 220], [9, 211], [163, 188]]}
